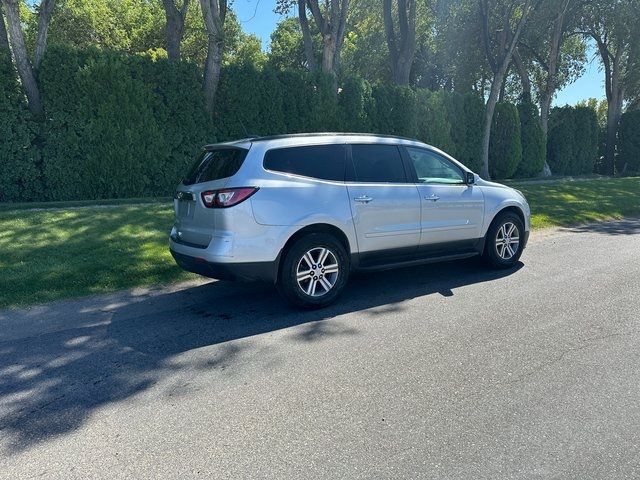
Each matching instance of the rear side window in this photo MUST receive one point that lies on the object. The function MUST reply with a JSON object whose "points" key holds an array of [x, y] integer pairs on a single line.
{"points": [[215, 164], [378, 164], [325, 162]]}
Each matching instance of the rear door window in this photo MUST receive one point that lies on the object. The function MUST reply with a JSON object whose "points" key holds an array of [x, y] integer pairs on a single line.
{"points": [[324, 162], [215, 164], [378, 164]]}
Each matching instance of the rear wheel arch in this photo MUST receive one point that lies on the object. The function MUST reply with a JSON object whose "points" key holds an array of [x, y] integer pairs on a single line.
{"points": [[314, 228]]}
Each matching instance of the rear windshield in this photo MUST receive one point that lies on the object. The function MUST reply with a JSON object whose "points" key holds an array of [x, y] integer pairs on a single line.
{"points": [[215, 164]]}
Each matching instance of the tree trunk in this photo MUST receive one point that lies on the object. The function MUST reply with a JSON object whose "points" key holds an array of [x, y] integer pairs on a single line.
{"points": [[402, 47], [23, 65], [332, 28], [614, 111], [214, 13], [545, 109], [525, 82], [44, 18], [4, 39], [549, 90], [212, 68], [309, 53], [496, 86], [328, 53], [174, 28], [402, 70]]}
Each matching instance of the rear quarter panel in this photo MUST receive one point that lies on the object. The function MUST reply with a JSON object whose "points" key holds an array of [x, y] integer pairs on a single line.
{"points": [[293, 202]]}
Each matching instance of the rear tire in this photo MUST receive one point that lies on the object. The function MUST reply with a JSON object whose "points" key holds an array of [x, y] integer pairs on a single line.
{"points": [[314, 271], [504, 241]]}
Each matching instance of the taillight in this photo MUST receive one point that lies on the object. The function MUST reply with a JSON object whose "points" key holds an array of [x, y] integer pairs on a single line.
{"points": [[227, 197]]}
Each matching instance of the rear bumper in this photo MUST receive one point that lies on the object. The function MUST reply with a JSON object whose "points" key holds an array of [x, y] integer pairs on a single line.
{"points": [[254, 271]]}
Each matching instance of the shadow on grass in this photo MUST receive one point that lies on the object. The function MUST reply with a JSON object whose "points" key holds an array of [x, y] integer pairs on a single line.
{"points": [[62, 362], [56, 254]]}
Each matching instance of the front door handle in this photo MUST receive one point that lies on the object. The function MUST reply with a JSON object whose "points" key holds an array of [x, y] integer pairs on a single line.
{"points": [[363, 199], [433, 197]]}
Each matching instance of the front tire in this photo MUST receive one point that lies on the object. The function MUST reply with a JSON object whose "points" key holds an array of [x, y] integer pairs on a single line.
{"points": [[504, 242], [314, 271]]}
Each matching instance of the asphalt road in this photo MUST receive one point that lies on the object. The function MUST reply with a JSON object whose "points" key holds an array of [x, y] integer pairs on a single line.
{"points": [[443, 371]]}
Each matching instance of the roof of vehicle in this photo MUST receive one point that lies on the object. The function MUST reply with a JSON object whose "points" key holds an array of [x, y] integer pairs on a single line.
{"points": [[254, 139]]}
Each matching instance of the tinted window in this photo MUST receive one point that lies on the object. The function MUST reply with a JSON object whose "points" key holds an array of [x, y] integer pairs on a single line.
{"points": [[215, 164], [326, 162], [378, 164], [433, 168]]}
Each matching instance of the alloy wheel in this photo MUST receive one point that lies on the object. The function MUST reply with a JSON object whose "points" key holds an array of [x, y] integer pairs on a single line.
{"points": [[317, 271], [507, 240]]}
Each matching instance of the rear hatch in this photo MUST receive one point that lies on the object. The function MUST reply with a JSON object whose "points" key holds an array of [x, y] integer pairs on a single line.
{"points": [[214, 167]]}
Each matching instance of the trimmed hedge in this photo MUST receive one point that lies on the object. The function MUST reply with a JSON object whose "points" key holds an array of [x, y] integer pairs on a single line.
{"points": [[534, 148], [572, 142], [120, 125], [20, 178], [629, 142], [505, 148]]}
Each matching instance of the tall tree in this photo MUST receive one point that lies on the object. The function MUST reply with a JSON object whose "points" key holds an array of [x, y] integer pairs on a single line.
{"points": [[174, 29], [214, 13], [402, 44], [614, 25], [26, 69], [499, 42]]}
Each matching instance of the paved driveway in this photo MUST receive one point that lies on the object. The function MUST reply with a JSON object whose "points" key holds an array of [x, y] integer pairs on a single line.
{"points": [[443, 371]]}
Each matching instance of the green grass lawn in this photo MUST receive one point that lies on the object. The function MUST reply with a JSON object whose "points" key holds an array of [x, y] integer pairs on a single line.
{"points": [[52, 253], [565, 203]]}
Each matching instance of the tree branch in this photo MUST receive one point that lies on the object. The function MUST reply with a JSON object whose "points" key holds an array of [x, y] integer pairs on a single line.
{"points": [[44, 18]]}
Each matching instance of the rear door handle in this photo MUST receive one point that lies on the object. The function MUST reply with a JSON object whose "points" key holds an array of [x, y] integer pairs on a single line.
{"points": [[433, 197], [363, 199]]}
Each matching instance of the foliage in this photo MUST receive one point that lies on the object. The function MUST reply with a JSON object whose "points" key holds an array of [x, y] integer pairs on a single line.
{"points": [[286, 51], [133, 26], [466, 114], [505, 148], [629, 142], [572, 143], [121, 125], [354, 102], [118, 125], [19, 156], [249, 103], [433, 122], [534, 148], [394, 110]]}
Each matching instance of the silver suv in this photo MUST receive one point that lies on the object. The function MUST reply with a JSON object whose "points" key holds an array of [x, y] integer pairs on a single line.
{"points": [[304, 211]]}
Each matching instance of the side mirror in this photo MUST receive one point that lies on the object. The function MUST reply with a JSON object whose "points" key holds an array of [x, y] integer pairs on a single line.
{"points": [[469, 178]]}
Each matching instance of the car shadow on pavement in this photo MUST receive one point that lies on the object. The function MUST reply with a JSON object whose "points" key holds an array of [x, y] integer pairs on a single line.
{"points": [[52, 381]]}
